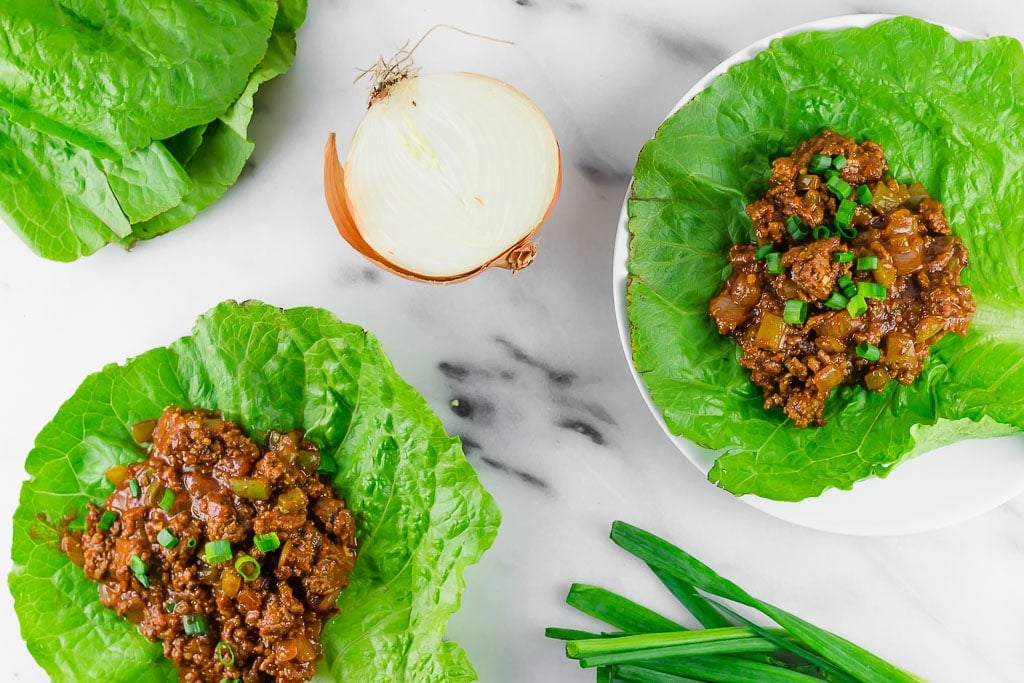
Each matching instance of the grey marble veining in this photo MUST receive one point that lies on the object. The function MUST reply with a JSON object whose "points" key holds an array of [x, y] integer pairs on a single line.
{"points": [[526, 368]]}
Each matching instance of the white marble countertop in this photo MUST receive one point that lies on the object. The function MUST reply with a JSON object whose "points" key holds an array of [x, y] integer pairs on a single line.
{"points": [[549, 413]]}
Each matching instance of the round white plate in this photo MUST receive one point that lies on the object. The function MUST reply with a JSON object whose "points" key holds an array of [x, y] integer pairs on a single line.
{"points": [[942, 487]]}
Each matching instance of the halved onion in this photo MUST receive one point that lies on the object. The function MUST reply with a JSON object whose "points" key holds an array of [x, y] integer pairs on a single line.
{"points": [[447, 174]]}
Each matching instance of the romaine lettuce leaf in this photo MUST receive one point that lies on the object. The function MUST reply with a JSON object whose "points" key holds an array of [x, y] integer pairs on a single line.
{"points": [[111, 76], [423, 515], [158, 187], [948, 114]]}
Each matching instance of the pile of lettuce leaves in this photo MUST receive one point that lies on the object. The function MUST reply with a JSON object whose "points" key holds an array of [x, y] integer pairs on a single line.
{"points": [[949, 114], [120, 120], [422, 514]]}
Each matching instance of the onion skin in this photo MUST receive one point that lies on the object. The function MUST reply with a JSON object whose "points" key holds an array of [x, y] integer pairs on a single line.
{"points": [[518, 256]]}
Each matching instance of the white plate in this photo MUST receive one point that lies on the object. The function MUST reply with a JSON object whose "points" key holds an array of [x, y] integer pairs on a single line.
{"points": [[944, 486]]}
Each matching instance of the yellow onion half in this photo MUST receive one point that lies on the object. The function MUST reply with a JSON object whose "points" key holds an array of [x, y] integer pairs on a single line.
{"points": [[447, 175]]}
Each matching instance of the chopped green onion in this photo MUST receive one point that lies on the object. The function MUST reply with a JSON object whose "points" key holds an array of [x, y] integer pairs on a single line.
{"points": [[844, 214], [167, 500], [796, 228], [195, 625], [229, 680], [225, 653], [867, 263], [218, 551], [846, 284], [830, 174], [764, 250], [839, 187], [167, 539], [836, 301], [819, 163], [169, 606], [820, 232], [847, 232], [857, 306], [871, 290], [267, 542], [864, 195], [795, 312], [107, 520], [773, 263], [133, 486], [248, 567], [842, 256], [138, 568], [192, 543], [868, 351], [839, 162]]}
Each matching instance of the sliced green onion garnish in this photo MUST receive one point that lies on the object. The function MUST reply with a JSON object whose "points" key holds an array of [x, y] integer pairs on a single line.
{"points": [[819, 163], [839, 162], [133, 486], [218, 551], [773, 263], [867, 263], [845, 283], [795, 312], [138, 568], [169, 606], [764, 250], [194, 625], [820, 232], [192, 543], [830, 174], [267, 542], [864, 195], [107, 520], [839, 187], [847, 232], [836, 301], [844, 214], [871, 290], [868, 351], [167, 500], [842, 256], [857, 306], [248, 567], [796, 228], [167, 539], [225, 653]]}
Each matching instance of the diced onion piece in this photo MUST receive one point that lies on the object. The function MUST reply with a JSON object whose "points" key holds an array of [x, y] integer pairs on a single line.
{"points": [[142, 432], [771, 332], [116, 474], [828, 377], [447, 174], [876, 379]]}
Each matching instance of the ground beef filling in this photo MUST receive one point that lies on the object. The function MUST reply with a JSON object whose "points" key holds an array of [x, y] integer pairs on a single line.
{"points": [[876, 295], [230, 554]]}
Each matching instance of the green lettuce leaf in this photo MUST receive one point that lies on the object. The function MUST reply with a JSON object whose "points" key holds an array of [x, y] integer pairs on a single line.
{"points": [[948, 114], [215, 164], [111, 76], [145, 193], [423, 515]]}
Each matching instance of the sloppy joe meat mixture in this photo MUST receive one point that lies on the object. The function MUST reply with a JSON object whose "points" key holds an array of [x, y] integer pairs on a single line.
{"points": [[853, 277], [231, 555]]}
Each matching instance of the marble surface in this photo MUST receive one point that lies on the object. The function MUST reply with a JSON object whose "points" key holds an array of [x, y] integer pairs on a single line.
{"points": [[547, 408]]}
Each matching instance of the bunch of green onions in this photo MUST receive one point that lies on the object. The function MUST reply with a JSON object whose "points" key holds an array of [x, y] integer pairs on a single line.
{"points": [[646, 647]]}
